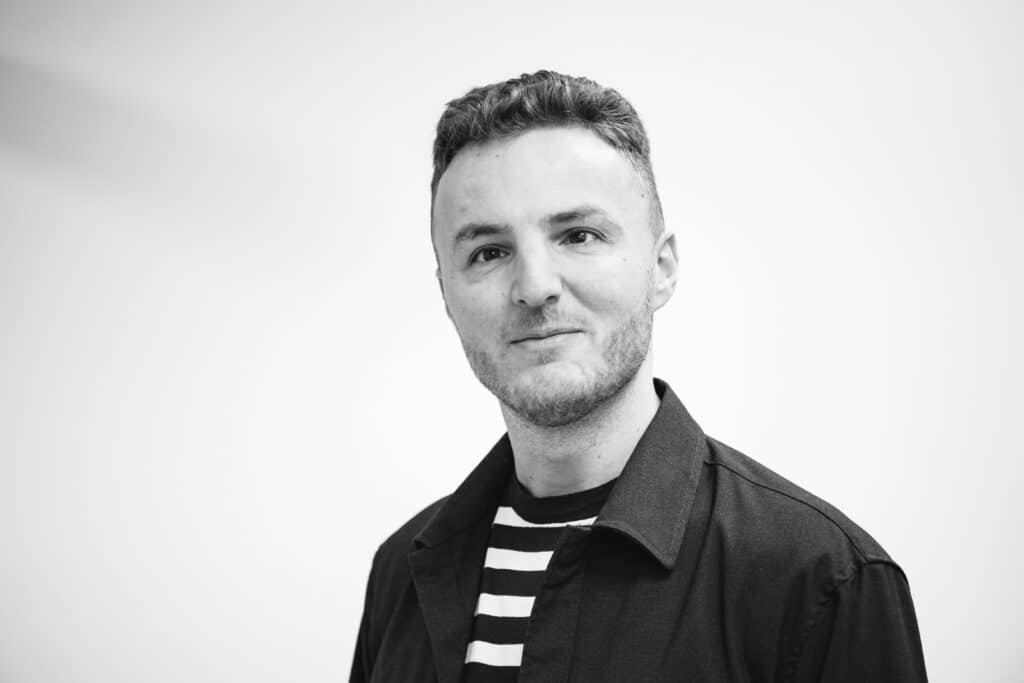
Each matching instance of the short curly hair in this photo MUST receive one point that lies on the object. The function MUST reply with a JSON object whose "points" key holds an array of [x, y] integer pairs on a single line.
{"points": [[541, 100]]}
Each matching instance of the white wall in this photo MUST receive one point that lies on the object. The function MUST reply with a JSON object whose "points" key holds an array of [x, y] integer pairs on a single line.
{"points": [[226, 369]]}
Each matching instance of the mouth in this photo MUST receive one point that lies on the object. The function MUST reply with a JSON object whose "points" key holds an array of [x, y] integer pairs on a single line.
{"points": [[541, 335]]}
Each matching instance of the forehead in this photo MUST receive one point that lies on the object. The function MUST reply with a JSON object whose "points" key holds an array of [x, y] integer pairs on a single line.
{"points": [[535, 174]]}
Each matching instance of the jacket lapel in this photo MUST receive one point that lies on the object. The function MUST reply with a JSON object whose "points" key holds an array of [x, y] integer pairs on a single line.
{"points": [[447, 580], [448, 561]]}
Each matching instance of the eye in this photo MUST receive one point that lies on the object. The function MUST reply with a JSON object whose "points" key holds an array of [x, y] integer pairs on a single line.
{"points": [[485, 254], [580, 236]]}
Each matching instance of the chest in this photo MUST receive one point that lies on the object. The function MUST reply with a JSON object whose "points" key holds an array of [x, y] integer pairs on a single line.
{"points": [[605, 612]]}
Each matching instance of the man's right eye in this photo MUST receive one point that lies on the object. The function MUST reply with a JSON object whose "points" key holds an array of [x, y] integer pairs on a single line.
{"points": [[485, 254]]}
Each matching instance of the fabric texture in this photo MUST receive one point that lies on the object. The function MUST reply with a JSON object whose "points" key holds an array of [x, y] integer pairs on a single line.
{"points": [[702, 565]]}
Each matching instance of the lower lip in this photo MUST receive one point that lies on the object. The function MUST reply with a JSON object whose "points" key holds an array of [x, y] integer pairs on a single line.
{"points": [[546, 342]]}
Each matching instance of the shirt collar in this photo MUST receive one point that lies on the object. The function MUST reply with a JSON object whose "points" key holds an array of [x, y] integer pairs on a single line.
{"points": [[650, 503]]}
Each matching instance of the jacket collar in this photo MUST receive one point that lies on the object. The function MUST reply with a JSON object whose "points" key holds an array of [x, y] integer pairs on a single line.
{"points": [[476, 497], [650, 504]]}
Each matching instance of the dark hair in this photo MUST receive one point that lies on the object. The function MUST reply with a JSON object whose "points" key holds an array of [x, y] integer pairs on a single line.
{"points": [[538, 100]]}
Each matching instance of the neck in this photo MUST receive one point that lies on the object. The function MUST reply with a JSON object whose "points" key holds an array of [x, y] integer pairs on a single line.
{"points": [[552, 461]]}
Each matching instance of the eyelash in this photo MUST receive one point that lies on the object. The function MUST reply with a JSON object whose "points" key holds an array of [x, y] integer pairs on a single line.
{"points": [[476, 254], [474, 258], [581, 231]]}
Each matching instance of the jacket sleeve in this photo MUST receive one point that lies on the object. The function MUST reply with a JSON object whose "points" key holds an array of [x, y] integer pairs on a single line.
{"points": [[866, 631], [365, 654]]}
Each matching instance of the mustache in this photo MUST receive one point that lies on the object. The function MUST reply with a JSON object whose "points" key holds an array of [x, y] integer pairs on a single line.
{"points": [[538, 322]]}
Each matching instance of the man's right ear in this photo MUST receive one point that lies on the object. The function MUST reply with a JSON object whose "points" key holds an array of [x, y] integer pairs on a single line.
{"points": [[440, 283]]}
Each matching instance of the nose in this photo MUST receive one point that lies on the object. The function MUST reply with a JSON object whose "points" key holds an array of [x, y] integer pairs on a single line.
{"points": [[537, 282]]}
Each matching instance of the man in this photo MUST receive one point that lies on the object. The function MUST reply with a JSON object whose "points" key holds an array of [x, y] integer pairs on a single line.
{"points": [[604, 537]]}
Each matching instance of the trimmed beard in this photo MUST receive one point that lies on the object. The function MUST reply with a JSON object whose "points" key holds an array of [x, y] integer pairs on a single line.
{"points": [[550, 403]]}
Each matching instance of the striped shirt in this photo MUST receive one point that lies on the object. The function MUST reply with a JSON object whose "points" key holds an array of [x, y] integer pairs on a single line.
{"points": [[523, 538]]}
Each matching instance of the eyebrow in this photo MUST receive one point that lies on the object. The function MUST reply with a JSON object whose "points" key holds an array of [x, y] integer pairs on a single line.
{"points": [[471, 231], [577, 213]]}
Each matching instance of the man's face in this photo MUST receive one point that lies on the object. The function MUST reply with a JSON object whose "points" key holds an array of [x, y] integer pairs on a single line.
{"points": [[549, 269]]}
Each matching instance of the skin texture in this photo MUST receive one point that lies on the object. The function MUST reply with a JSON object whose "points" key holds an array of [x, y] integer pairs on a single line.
{"points": [[551, 276]]}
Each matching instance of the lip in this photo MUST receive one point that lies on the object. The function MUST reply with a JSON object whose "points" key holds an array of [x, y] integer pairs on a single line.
{"points": [[541, 335]]}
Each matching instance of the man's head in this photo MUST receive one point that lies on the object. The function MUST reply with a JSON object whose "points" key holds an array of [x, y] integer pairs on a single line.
{"points": [[551, 251], [539, 100]]}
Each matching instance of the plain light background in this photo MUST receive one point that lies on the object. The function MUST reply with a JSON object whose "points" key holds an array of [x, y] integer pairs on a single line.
{"points": [[226, 370]]}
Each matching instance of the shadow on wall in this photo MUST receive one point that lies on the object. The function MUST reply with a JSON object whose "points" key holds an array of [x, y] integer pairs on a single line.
{"points": [[115, 146]]}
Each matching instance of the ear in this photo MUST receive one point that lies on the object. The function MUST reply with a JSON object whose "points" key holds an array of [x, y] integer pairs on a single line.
{"points": [[440, 283], [666, 270]]}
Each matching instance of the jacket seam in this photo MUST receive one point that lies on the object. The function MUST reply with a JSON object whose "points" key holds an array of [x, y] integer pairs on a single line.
{"points": [[813, 619], [828, 595], [864, 557]]}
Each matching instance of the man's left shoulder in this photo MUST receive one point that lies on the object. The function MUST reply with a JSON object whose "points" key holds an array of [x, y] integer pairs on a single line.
{"points": [[770, 510]]}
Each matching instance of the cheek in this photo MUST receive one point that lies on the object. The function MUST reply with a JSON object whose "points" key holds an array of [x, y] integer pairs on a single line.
{"points": [[615, 287], [475, 312]]}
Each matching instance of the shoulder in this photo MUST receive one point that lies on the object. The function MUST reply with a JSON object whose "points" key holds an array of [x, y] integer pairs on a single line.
{"points": [[401, 542], [778, 521], [390, 578], [797, 568]]}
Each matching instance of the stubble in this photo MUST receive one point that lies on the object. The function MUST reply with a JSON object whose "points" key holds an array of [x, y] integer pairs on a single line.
{"points": [[555, 401]]}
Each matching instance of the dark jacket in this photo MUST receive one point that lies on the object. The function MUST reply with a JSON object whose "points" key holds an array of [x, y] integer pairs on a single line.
{"points": [[702, 566]]}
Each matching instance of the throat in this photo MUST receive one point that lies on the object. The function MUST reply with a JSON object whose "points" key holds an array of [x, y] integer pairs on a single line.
{"points": [[553, 461]]}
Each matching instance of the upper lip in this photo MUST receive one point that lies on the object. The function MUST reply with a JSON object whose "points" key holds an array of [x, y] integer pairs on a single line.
{"points": [[544, 333]]}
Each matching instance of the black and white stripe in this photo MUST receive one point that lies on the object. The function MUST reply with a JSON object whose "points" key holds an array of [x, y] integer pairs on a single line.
{"points": [[517, 557]]}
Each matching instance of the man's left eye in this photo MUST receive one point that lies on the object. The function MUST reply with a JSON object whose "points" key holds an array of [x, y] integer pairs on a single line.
{"points": [[580, 237]]}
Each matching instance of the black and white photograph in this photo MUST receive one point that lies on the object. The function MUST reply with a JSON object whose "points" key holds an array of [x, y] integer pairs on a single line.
{"points": [[449, 342]]}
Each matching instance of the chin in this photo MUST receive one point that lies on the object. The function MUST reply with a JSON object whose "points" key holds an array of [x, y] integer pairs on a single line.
{"points": [[554, 378], [557, 394]]}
